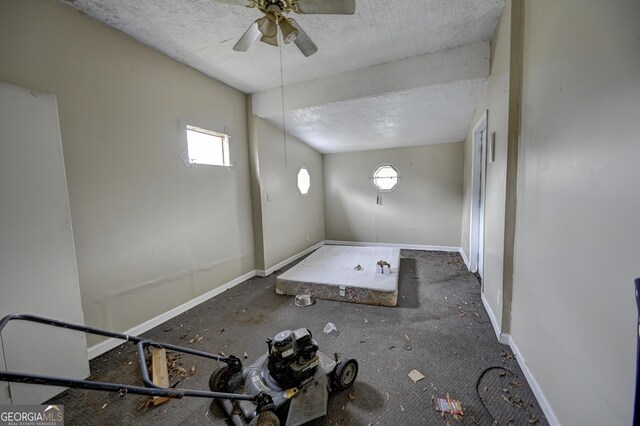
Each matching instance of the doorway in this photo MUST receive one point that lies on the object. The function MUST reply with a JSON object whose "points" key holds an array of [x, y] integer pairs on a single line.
{"points": [[478, 173]]}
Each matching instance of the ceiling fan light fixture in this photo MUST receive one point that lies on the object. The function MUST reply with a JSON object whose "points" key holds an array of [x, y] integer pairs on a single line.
{"points": [[268, 26], [289, 32], [273, 41]]}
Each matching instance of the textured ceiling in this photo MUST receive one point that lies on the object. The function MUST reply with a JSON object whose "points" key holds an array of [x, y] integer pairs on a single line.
{"points": [[201, 34]]}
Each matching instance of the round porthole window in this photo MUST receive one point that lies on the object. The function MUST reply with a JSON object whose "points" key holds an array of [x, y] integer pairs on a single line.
{"points": [[385, 178], [304, 181]]}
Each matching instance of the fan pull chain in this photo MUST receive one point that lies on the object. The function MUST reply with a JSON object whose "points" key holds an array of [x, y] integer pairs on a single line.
{"points": [[284, 127]]}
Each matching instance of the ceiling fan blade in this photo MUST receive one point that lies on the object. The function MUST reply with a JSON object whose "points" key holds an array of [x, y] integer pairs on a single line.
{"points": [[330, 7], [248, 38], [304, 43]]}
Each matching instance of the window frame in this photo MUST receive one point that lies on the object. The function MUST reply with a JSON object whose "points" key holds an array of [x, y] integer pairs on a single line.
{"points": [[224, 146], [306, 169], [374, 178]]}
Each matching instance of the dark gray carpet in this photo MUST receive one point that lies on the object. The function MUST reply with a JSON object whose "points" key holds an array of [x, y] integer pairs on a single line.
{"points": [[439, 328]]}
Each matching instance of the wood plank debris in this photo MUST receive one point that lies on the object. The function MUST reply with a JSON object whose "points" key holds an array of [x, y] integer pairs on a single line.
{"points": [[160, 373]]}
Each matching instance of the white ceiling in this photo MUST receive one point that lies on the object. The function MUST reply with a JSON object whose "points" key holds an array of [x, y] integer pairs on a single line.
{"points": [[397, 73]]}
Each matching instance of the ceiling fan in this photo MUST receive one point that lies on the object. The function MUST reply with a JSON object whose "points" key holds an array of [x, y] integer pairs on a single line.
{"points": [[266, 28]]}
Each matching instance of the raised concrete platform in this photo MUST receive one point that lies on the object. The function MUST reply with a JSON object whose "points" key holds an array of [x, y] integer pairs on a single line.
{"points": [[331, 273]]}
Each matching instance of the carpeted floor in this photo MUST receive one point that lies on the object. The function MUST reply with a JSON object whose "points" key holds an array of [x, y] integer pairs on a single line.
{"points": [[439, 328]]}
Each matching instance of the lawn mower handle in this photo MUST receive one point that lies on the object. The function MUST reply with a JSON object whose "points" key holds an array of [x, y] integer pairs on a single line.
{"points": [[150, 388]]}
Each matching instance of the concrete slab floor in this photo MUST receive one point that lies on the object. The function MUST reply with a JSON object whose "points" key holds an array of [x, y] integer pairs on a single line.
{"points": [[439, 328]]}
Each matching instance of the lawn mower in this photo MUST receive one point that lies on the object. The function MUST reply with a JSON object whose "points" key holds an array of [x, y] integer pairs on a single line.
{"points": [[290, 383]]}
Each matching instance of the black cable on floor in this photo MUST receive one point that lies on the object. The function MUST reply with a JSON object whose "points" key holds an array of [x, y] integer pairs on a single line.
{"points": [[485, 371]]}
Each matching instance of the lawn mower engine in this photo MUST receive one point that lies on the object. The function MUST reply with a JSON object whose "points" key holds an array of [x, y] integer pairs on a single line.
{"points": [[292, 357]]}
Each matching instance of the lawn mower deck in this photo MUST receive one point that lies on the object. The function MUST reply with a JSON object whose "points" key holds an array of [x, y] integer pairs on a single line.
{"points": [[293, 373]]}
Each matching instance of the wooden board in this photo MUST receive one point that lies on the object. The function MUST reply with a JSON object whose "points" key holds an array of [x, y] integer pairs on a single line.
{"points": [[160, 373]]}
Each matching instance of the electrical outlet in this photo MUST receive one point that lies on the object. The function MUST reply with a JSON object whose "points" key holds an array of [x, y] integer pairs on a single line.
{"points": [[499, 298]]}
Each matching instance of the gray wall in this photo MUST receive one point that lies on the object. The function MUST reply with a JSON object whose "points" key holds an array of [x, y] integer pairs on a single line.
{"points": [[289, 222], [578, 228], [150, 232], [495, 100], [425, 208]]}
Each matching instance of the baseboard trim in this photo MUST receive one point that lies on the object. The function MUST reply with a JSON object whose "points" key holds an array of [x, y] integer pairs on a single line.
{"points": [[535, 387], [506, 339], [502, 337], [262, 273], [400, 246], [465, 259], [107, 345]]}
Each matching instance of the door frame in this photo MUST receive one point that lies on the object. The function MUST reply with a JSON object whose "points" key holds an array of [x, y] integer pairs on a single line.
{"points": [[478, 179]]}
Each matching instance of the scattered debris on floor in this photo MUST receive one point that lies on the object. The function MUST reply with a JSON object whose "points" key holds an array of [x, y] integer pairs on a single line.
{"points": [[514, 400], [351, 396], [196, 339], [505, 356], [533, 420], [381, 264], [145, 405], [304, 300], [416, 376], [448, 406], [358, 267], [331, 328]]}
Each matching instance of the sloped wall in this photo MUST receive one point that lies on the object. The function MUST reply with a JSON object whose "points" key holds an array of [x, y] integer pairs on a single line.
{"points": [[289, 222]]}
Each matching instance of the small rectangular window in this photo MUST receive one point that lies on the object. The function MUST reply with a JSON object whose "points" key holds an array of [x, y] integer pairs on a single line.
{"points": [[207, 147]]}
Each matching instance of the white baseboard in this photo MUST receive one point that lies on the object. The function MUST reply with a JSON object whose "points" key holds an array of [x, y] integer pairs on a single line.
{"points": [[107, 345], [535, 387], [400, 246], [506, 339], [502, 338], [465, 259], [285, 262]]}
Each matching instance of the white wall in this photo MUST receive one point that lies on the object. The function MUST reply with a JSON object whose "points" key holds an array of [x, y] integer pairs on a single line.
{"points": [[578, 227], [290, 223], [150, 233], [424, 209]]}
